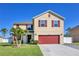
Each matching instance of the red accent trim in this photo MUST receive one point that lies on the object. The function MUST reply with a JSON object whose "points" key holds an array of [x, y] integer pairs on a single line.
{"points": [[52, 23], [17, 25], [58, 23]]}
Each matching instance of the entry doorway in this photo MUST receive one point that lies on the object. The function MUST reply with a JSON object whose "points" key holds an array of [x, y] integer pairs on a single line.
{"points": [[29, 38]]}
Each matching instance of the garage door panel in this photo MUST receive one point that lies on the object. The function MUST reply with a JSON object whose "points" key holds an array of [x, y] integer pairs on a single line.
{"points": [[48, 39]]}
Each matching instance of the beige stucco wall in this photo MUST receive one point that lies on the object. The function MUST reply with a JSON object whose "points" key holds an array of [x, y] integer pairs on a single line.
{"points": [[49, 30], [1, 40], [21, 26]]}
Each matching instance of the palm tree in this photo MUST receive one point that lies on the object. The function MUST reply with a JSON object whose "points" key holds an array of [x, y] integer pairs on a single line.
{"points": [[13, 33], [4, 31], [18, 33]]}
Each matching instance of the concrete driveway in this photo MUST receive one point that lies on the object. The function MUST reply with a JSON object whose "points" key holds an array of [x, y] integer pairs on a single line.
{"points": [[58, 50], [73, 46]]}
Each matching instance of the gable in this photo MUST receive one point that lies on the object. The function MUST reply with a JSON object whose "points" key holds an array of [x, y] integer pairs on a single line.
{"points": [[49, 12]]}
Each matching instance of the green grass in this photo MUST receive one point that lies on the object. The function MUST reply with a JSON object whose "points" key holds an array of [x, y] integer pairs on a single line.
{"points": [[25, 50], [76, 43]]}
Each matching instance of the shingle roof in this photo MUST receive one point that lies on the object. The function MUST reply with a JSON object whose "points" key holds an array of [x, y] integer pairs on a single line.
{"points": [[49, 11], [22, 23], [76, 27]]}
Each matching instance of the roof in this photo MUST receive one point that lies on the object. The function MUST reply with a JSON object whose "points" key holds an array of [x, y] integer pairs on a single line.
{"points": [[1, 37], [22, 23], [49, 11], [76, 27]]}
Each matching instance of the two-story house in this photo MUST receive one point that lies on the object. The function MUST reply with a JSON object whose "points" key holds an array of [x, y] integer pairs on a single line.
{"points": [[26, 26], [48, 28]]}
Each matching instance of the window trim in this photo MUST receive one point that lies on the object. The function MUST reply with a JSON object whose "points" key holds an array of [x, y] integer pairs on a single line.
{"points": [[39, 24], [53, 23]]}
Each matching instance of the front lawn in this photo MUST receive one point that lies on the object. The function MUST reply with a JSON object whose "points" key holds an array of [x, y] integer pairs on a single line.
{"points": [[76, 43], [25, 50]]}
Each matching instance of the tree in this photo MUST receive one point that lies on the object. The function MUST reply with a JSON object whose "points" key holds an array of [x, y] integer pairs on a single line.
{"points": [[18, 33], [14, 33], [4, 31]]}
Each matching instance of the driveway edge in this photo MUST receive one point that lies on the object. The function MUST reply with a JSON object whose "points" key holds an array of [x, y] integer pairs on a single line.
{"points": [[41, 49]]}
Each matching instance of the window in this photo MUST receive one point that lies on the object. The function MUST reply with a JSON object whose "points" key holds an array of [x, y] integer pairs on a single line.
{"points": [[42, 23], [55, 23], [29, 27]]}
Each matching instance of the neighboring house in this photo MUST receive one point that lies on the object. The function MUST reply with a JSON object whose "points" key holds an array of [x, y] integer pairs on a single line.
{"points": [[74, 33], [26, 26], [47, 28], [3, 40], [10, 39]]}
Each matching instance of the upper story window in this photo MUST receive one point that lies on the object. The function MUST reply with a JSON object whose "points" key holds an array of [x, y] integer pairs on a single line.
{"points": [[55, 23], [29, 27], [42, 23]]}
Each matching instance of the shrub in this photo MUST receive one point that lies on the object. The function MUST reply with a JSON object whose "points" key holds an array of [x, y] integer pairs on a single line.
{"points": [[34, 41], [31, 41]]}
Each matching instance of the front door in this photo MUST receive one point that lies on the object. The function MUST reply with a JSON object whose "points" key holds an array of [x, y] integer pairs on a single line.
{"points": [[28, 38]]}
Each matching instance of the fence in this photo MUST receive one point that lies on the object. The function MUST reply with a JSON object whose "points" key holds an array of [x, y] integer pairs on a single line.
{"points": [[67, 39]]}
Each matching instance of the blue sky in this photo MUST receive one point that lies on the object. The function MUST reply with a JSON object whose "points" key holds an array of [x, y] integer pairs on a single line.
{"points": [[11, 13]]}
